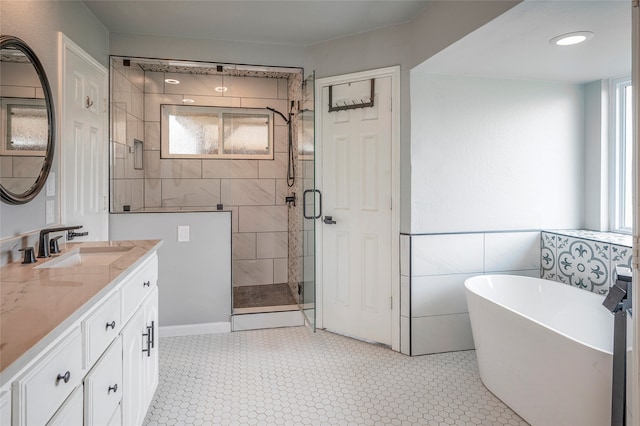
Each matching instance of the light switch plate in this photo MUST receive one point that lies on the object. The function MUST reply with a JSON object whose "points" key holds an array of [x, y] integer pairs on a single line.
{"points": [[183, 233]]}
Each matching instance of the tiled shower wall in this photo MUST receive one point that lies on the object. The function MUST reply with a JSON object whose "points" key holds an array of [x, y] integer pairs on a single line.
{"points": [[19, 172], [584, 259], [127, 124], [254, 190]]}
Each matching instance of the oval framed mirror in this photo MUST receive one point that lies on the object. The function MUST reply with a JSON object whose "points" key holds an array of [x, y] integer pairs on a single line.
{"points": [[27, 122]]}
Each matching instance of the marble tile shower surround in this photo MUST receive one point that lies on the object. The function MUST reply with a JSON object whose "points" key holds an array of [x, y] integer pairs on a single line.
{"points": [[584, 259], [253, 190], [18, 172]]}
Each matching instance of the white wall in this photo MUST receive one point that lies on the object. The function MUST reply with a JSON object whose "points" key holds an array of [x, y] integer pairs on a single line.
{"points": [[495, 154], [37, 23], [440, 24], [194, 278], [596, 155]]}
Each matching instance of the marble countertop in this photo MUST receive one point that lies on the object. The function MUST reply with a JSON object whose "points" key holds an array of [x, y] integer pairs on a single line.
{"points": [[37, 304]]}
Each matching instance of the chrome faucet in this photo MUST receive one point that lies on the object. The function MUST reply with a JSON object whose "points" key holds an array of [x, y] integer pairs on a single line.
{"points": [[43, 239]]}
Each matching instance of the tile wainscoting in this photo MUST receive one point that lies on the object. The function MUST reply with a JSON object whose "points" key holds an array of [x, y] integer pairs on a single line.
{"points": [[433, 267], [584, 259]]}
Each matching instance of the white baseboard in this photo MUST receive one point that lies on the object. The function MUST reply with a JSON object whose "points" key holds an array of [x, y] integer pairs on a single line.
{"points": [[194, 329]]}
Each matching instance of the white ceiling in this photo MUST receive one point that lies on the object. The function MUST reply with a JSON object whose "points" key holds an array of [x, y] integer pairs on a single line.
{"points": [[292, 22], [516, 44]]}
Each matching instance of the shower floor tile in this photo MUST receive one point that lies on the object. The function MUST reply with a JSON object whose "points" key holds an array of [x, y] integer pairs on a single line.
{"points": [[254, 296], [292, 376]]}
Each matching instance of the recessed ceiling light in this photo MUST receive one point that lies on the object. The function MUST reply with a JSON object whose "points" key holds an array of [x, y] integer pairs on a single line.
{"points": [[570, 39], [171, 81], [188, 101], [221, 89]]}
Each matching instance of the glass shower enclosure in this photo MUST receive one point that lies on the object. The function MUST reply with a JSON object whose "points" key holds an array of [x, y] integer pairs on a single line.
{"points": [[312, 201]]}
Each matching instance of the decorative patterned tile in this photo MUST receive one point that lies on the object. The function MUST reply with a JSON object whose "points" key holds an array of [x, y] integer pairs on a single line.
{"points": [[580, 258], [584, 264], [548, 255], [294, 376], [620, 255]]}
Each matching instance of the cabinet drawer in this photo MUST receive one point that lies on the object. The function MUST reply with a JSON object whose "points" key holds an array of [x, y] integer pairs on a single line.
{"points": [[142, 281], [71, 411], [39, 393], [101, 328], [103, 387]]}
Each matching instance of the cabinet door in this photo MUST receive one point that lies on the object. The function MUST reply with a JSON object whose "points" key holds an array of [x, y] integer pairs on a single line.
{"points": [[150, 359], [133, 407]]}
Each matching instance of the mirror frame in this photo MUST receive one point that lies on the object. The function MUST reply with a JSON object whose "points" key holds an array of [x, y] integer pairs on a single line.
{"points": [[7, 41]]}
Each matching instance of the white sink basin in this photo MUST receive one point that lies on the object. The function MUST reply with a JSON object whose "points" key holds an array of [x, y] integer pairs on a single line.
{"points": [[87, 256]]}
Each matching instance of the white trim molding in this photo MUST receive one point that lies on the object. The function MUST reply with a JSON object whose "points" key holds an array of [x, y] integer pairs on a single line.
{"points": [[194, 329]]}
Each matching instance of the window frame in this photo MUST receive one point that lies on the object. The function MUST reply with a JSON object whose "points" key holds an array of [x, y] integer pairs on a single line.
{"points": [[619, 143], [165, 109]]}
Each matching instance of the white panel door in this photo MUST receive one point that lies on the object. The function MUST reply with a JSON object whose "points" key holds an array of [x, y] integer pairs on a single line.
{"points": [[84, 143], [356, 182]]}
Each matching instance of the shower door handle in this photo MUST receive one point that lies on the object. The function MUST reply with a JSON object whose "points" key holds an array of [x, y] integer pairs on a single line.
{"points": [[304, 204]]}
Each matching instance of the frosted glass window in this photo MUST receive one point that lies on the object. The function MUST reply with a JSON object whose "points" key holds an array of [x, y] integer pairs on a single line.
{"points": [[216, 132], [193, 132], [246, 134], [26, 128]]}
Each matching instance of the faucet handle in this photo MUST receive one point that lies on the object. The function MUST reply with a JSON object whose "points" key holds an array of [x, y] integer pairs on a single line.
{"points": [[29, 255], [71, 234], [53, 244]]}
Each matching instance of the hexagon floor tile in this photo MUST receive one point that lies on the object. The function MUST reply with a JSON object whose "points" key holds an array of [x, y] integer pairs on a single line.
{"points": [[292, 376]]}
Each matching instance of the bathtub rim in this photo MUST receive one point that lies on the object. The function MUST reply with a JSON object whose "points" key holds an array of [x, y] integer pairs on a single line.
{"points": [[528, 278]]}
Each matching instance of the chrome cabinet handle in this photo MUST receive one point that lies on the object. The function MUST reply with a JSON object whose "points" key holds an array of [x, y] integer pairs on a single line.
{"points": [[111, 324], [64, 377], [113, 388], [146, 284]]}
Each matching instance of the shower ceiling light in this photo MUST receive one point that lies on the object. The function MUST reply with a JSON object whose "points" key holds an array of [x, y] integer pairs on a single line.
{"points": [[221, 89], [188, 101], [171, 81], [570, 39]]}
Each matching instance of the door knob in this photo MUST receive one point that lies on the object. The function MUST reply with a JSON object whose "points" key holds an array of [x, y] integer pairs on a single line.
{"points": [[329, 220]]}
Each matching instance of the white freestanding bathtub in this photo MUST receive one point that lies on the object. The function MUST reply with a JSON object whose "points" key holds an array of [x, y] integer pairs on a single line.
{"points": [[544, 348]]}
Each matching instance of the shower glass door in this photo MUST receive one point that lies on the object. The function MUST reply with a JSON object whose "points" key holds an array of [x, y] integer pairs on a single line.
{"points": [[311, 200]]}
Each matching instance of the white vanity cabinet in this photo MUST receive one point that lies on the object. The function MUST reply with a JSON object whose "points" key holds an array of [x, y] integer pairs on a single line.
{"points": [[71, 412], [5, 408], [103, 387], [140, 352], [101, 370], [42, 389]]}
